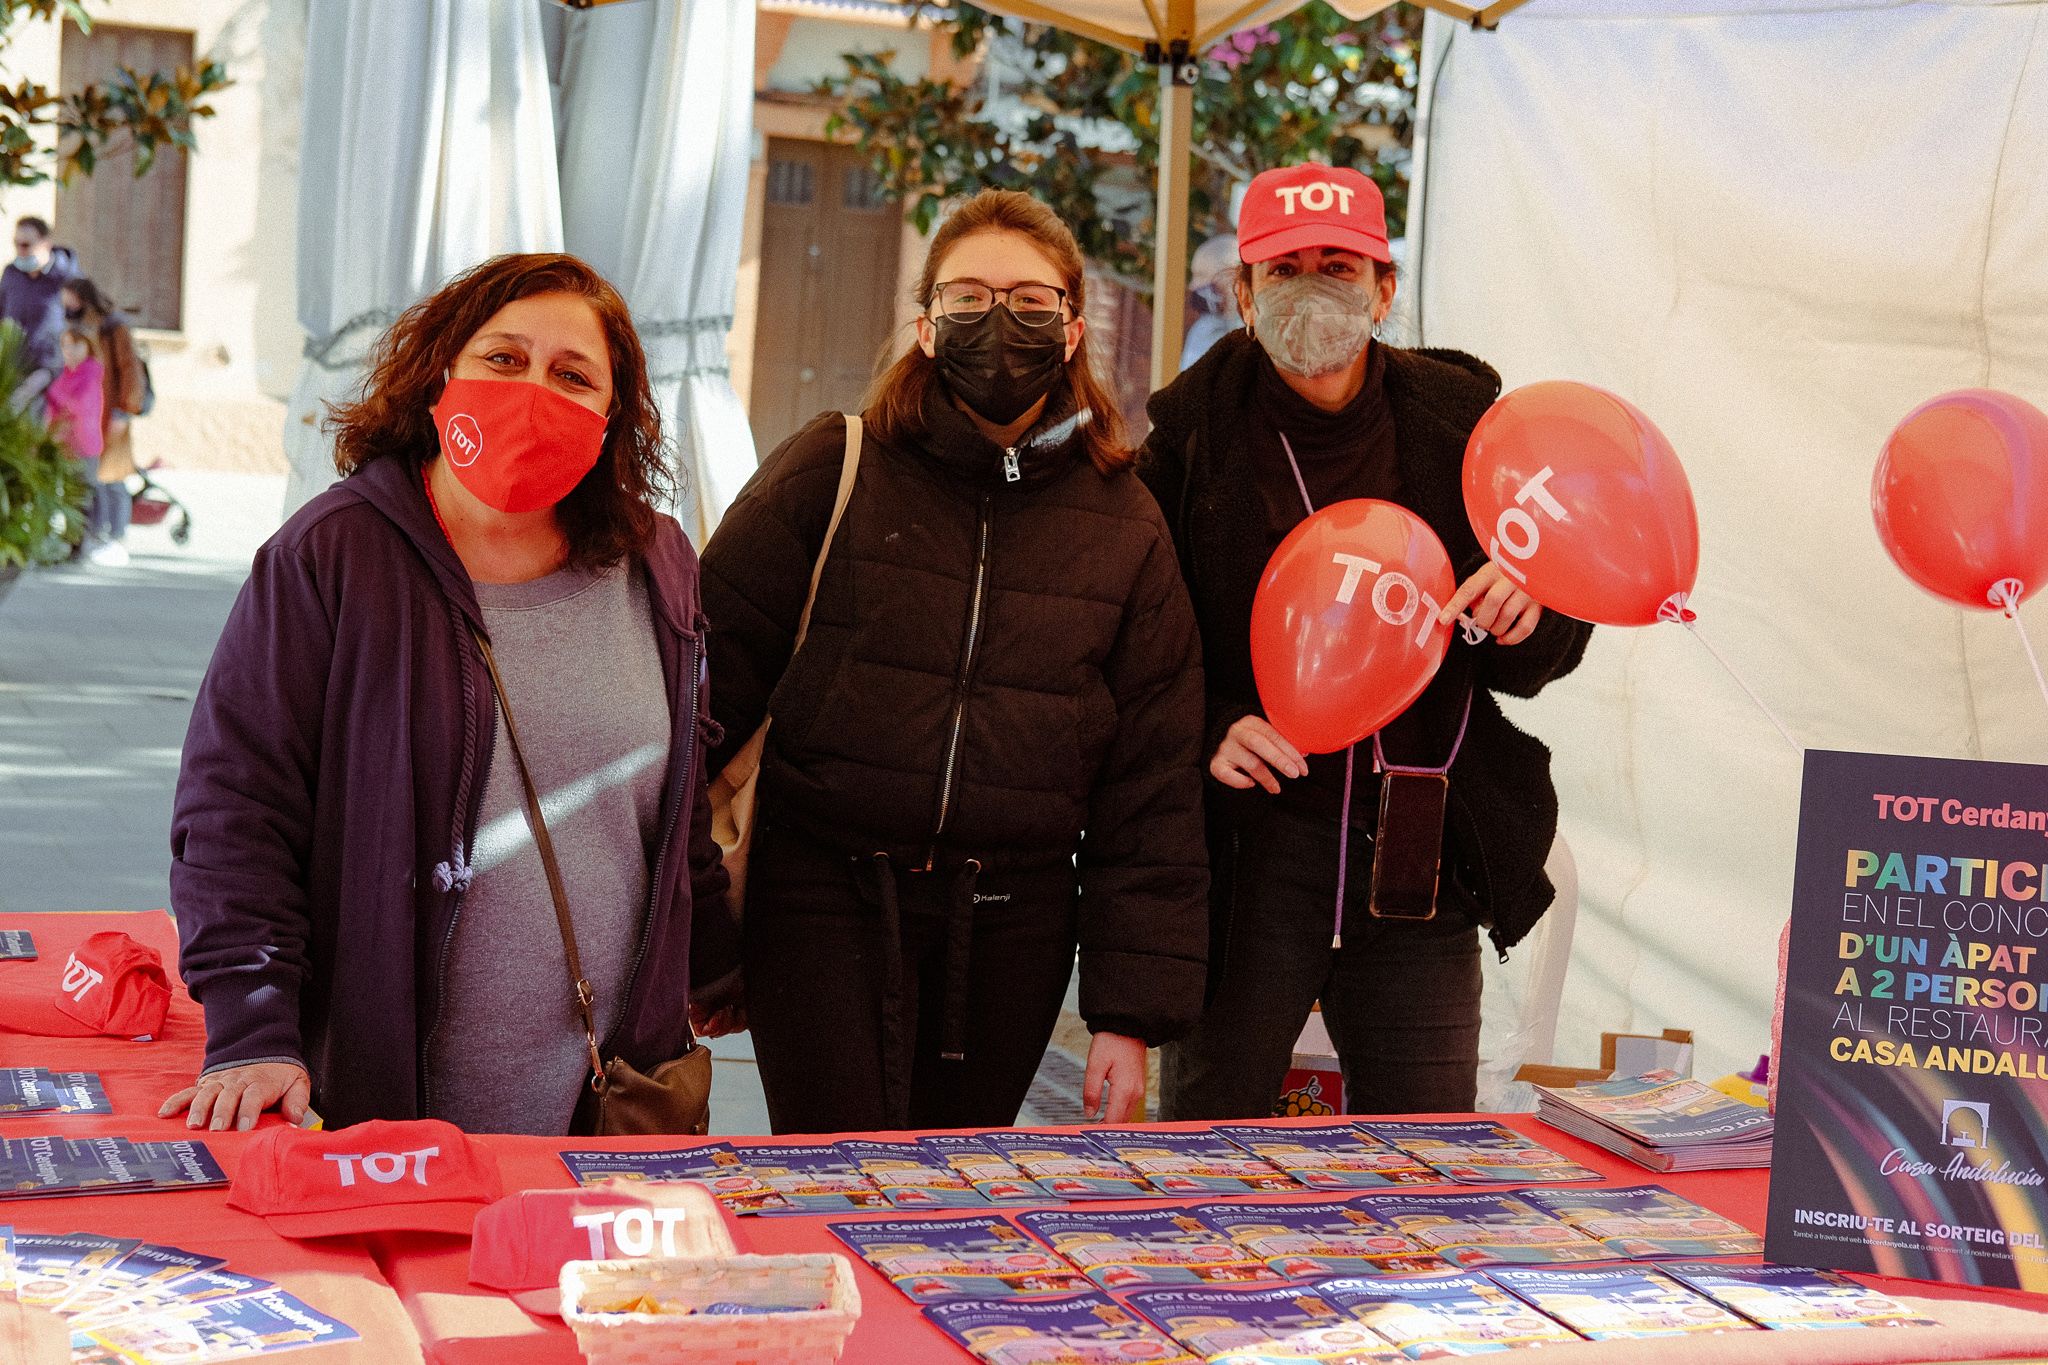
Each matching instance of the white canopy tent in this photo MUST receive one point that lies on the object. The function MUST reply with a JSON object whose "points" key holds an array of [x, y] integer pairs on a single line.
{"points": [[1171, 34], [1779, 226], [657, 127], [428, 146]]}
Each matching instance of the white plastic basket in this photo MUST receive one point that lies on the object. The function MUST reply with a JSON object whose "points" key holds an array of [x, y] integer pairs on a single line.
{"points": [[697, 1338]]}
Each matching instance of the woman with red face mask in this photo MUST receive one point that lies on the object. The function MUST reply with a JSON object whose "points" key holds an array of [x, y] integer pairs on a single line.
{"points": [[487, 611]]}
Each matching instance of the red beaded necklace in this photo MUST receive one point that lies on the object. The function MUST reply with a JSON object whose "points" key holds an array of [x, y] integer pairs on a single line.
{"points": [[427, 482]]}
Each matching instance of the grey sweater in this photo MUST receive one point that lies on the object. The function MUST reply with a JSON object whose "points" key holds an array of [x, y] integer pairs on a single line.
{"points": [[578, 656]]}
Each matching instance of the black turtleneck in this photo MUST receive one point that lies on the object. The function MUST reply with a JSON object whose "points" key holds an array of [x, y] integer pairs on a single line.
{"points": [[1344, 454], [953, 443]]}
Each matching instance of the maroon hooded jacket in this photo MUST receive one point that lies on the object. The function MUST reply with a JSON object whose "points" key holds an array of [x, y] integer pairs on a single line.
{"points": [[329, 793]]}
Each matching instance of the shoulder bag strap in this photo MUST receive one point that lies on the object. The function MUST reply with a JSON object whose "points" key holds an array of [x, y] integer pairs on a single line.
{"points": [[585, 997], [849, 467]]}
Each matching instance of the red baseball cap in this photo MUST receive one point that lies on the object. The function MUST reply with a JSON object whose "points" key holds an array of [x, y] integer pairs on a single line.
{"points": [[108, 984], [522, 1242], [1312, 205], [421, 1175]]}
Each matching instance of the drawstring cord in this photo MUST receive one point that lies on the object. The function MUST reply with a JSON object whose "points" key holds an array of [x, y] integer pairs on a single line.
{"points": [[899, 1026]]}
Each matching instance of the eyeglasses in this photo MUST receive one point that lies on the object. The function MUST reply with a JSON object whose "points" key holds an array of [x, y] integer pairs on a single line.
{"points": [[1034, 305]]}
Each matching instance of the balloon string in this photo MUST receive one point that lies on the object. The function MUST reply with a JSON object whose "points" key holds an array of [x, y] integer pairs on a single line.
{"points": [[1770, 715], [2006, 595]]}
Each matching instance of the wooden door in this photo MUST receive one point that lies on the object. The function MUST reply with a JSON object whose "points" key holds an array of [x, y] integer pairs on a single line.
{"points": [[827, 302], [129, 234]]}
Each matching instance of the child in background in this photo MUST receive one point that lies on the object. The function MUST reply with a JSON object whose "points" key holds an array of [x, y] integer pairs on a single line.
{"points": [[76, 400]]}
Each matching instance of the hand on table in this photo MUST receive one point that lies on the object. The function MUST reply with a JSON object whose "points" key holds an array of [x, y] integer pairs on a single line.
{"points": [[1251, 752], [233, 1096], [1498, 606], [1119, 1063]]}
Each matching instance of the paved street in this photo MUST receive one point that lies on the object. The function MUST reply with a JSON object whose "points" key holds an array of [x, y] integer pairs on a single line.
{"points": [[98, 669]]}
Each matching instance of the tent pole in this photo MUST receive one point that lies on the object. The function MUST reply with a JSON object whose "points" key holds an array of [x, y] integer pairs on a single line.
{"points": [[1170, 242]]}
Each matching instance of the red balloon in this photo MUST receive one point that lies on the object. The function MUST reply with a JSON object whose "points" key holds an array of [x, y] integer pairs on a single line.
{"points": [[1580, 499], [1344, 629], [1961, 497]]}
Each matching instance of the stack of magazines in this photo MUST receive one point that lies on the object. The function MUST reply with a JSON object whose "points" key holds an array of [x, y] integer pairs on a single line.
{"points": [[1661, 1120]]}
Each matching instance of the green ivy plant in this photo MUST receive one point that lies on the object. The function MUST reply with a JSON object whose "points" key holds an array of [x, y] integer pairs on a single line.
{"points": [[45, 135], [1306, 87], [43, 491]]}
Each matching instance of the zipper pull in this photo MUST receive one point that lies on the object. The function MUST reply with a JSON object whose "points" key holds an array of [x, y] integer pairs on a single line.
{"points": [[1011, 473]]}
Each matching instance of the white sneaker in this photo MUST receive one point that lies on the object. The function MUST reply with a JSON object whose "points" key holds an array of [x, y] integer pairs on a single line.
{"points": [[112, 555]]}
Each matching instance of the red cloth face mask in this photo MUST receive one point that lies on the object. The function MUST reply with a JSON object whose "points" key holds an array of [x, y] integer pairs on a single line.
{"points": [[518, 447]]}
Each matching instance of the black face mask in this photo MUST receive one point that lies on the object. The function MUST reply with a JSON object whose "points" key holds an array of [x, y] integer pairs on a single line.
{"points": [[998, 366]]}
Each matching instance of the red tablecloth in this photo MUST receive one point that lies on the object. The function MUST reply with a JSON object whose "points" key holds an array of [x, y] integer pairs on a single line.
{"points": [[409, 1294]]}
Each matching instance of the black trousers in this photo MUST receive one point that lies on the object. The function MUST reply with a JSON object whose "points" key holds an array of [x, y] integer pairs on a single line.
{"points": [[855, 967], [1401, 998]]}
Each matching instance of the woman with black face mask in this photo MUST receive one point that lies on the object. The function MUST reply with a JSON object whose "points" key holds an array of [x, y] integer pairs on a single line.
{"points": [[984, 751], [1302, 410]]}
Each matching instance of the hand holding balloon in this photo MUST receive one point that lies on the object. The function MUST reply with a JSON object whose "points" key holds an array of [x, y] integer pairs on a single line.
{"points": [[1498, 607], [1252, 752]]}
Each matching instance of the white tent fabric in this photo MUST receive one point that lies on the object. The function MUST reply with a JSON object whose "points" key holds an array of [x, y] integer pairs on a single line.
{"points": [[657, 123], [1776, 227], [428, 147]]}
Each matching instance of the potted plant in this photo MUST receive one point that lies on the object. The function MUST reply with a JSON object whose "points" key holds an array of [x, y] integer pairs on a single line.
{"points": [[43, 490]]}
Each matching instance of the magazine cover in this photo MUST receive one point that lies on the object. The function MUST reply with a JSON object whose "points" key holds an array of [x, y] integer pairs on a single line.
{"points": [[1085, 1329], [714, 1165], [185, 1164], [1119, 1250], [27, 1090], [17, 945], [1069, 1165], [48, 1266], [912, 1177], [813, 1179], [81, 1092], [939, 1259], [994, 1177], [1192, 1163], [1472, 1230], [143, 1269], [37, 1166], [1444, 1315], [1647, 1223], [1317, 1241], [1262, 1327], [1334, 1157], [226, 1329], [1604, 1305], [1479, 1153], [1664, 1109], [1789, 1298], [207, 1286]]}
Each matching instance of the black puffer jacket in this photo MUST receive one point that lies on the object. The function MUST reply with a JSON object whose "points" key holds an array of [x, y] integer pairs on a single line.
{"points": [[1502, 815], [997, 669]]}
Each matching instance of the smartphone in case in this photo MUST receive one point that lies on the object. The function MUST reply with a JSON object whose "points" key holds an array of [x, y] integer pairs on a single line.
{"points": [[1408, 851]]}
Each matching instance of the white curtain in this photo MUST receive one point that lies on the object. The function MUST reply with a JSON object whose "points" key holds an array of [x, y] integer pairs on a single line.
{"points": [[1776, 227], [428, 147], [657, 129]]}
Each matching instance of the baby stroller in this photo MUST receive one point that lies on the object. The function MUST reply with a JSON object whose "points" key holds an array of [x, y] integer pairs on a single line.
{"points": [[154, 504]]}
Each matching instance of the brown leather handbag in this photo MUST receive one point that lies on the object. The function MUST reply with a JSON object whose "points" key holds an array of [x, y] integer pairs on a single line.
{"points": [[619, 1100]]}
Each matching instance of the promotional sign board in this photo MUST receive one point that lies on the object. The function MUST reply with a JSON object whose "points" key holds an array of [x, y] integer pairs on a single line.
{"points": [[1912, 1125]]}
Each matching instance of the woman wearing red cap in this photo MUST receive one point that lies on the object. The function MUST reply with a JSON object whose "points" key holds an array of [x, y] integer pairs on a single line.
{"points": [[365, 912], [1303, 409]]}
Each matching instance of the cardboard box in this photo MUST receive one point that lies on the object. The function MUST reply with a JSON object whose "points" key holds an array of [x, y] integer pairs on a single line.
{"points": [[1314, 1088], [1628, 1054]]}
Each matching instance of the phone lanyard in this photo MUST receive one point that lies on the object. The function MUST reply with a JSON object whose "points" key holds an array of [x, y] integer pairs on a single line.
{"points": [[1379, 754]]}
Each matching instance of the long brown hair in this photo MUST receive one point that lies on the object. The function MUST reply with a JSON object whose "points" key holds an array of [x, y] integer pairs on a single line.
{"points": [[896, 402], [611, 513]]}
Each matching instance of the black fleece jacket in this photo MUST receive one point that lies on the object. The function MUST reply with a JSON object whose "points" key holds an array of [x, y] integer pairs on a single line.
{"points": [[1503, 809]]}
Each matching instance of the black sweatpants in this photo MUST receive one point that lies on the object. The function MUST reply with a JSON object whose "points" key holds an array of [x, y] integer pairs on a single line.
{"points": [[1401, 998], [839, 1049]]}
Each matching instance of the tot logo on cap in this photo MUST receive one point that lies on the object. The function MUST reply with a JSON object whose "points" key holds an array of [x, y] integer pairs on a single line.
{"points": [[424, 1175], [110, 983], [1312, 205], [522, 1242]]}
